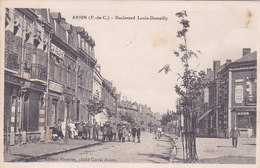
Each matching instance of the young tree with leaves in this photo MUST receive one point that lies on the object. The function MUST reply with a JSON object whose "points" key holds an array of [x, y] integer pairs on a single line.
{"points": [[95, 106], [192, 83]]}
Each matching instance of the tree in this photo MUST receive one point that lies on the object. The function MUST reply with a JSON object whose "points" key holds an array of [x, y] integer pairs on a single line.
{"points": [[128, 118], [189, 89], [110, 113], [166, 118], [95, 106]]}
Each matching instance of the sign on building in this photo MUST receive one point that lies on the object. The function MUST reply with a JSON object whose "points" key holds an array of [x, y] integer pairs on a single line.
{"points": [[206, 95], [55, 86], [57, 51], [239, 94]]}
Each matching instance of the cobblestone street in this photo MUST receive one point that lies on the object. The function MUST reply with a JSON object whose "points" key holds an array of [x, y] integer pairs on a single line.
{"points": [[149, 150]]}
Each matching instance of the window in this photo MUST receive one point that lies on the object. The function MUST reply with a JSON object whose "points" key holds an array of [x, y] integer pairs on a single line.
{"points": [[242, 121], [56, 72], [52, 70]]}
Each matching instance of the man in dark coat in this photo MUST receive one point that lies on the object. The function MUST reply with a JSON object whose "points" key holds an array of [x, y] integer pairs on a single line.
{"points": [[59, 129], [133, 132], [114, 128], [234, 133], [80, 129], [138, 133], [120, 132], [88, 127], [104, 132], [109, 133]]}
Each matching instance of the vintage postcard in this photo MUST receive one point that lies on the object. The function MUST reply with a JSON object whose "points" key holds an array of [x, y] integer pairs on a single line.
{"points": [[129, 83]]}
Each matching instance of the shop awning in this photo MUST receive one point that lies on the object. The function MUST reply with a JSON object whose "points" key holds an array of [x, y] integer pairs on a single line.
{"points": [[244, 109], [204, 115]]}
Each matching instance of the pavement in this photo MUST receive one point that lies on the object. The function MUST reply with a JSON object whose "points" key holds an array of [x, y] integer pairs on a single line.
{"points": [[220, 151], [150, 150], [34, 151]]}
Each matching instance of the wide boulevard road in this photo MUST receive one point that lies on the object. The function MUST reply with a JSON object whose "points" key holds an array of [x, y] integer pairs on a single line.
{"points": [[150, 150]]}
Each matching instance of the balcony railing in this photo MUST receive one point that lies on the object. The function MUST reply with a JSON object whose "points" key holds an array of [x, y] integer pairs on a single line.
{"points": [[39, 72], [11, 60], [250, 100]]}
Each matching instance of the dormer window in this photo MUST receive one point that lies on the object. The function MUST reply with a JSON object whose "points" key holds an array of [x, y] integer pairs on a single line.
{"points": [[27, 34], [37, 38], [45, 43], [17, 26]]}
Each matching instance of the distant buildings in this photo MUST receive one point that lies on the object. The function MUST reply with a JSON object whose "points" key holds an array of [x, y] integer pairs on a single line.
{"points": [[142, 114]]}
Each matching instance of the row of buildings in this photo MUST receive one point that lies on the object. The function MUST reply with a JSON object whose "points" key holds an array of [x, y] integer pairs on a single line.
{"points": [[50, 73], [230, 98]]}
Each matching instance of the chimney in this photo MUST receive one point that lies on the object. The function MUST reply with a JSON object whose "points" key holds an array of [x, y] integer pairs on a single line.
{"points": [[228, 61], [216, 67], [208, 71], [246, 51], [63, 20]]}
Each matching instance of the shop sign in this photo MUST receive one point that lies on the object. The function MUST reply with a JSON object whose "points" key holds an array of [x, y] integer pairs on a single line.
{"points": [[243, 113], [206, 95], [239, 80], [13, 79], [244, 109], [57, 51], [239, 94], [55, 87], [37, 87]]}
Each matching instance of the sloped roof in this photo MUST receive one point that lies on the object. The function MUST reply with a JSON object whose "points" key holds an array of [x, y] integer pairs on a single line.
{"points": [[67, 26], [248, 57], [55, 15]]}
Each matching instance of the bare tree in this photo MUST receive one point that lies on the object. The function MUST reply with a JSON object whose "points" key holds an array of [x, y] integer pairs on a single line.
{"points": [[192, 82]]}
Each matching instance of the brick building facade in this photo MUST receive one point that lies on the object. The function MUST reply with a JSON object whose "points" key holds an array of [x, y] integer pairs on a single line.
{"points": [[231, 98]]}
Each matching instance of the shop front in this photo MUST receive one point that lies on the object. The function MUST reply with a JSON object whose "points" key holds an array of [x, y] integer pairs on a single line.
{"points": [[246, 121], [12, 107]]}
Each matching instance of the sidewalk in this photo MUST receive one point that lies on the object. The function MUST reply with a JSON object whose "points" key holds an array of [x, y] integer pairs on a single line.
{"points": [[33, 151], [220, 151]]}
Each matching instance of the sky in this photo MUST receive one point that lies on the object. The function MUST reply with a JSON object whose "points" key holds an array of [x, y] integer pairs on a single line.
{"points": [[132, 52]]}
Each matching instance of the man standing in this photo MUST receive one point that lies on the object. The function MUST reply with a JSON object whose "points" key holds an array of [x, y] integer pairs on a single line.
{"points": [[234, 133], [109, 133], [104, 132], [95, 131], [125, 133], [80, 130], [138, 133], [114, 132], [88, 130], [120, 132], [59, 129], [133, 132]]}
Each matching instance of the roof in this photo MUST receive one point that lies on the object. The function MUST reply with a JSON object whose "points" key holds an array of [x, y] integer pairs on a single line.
{"points": [[247, 60], [67, 26], [55, 15], [248, 57]]}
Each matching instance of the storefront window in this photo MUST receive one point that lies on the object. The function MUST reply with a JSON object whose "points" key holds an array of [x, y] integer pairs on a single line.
{"points": [[243, 121]]}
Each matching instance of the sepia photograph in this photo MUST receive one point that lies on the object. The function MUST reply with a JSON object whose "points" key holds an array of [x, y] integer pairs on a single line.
{"points": [[155, 82]]}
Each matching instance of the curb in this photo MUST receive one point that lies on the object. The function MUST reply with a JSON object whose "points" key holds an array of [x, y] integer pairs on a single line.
{"points": [[170, 138], [41, 156], [173, 152]]}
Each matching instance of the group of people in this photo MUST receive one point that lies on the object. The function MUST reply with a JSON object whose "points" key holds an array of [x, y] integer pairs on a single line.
{"points": [[120, 131], [110, 132], [76, 130]]}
